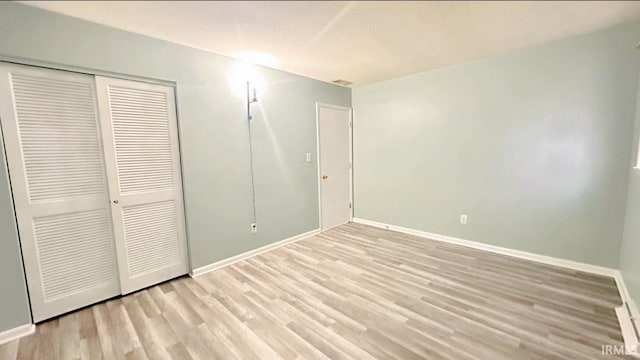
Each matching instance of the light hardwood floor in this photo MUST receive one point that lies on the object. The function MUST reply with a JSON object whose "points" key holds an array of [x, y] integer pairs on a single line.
{"points": [[352, 292]]}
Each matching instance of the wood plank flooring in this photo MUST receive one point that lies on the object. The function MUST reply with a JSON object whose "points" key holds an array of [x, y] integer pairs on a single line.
{"points": [[354, 292]]}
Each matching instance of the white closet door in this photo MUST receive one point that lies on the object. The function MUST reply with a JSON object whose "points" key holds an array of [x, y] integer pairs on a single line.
{"points": [[52, 141], [143, 166]]}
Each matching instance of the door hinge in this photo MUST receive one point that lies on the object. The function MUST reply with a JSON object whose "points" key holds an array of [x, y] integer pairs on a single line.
{"points": [[349, 205]]}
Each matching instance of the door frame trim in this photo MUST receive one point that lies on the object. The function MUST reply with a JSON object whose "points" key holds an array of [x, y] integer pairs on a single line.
{"points": [[82, 70], [335, 107]]}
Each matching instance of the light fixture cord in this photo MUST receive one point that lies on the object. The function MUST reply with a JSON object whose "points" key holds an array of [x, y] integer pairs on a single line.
{"points": [[253, 185]]}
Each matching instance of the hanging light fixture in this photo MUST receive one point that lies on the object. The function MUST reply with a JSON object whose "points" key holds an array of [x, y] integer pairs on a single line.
{"points": [[252, 97]]}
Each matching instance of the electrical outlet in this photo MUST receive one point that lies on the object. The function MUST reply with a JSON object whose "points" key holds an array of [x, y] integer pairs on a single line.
{"points": [[308, 157], [463, 219], [254, 228]]}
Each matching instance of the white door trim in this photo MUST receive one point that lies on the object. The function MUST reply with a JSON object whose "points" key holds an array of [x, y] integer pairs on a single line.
{"points": [[9, 60], [336, 107]]}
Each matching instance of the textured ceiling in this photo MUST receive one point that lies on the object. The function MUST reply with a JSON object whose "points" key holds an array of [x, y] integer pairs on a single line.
{"points": [[362, 42]]}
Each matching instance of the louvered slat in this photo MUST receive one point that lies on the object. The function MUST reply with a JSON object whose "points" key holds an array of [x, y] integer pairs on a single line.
{"points": [[57, 121], [152, 237], [75, 251], [143, 157]]}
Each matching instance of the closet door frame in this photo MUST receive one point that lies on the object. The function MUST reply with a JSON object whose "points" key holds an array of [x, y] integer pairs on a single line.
{"points": [[119, 201]]}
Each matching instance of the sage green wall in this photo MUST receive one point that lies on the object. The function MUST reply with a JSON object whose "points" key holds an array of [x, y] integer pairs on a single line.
{"points": [[14, 304], [533, 146], [214, 142], [630, 253]]}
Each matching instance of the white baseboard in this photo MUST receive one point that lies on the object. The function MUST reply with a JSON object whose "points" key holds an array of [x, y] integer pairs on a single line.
{"points": [[16, 333], [635, 314], [549, 260], [628, 331], [234, 259], [632, 308]]}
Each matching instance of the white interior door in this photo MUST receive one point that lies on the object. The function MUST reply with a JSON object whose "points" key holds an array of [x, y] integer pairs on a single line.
{"points": [[334, 134], [143, 166], [52, 141]]}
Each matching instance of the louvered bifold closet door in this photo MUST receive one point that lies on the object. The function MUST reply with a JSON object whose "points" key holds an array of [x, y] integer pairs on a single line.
{"points": [[143, 164], [54, 152]]}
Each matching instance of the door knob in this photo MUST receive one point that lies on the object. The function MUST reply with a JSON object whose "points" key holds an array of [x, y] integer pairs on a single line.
{"points": [[115, 201], [324, 177]]}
